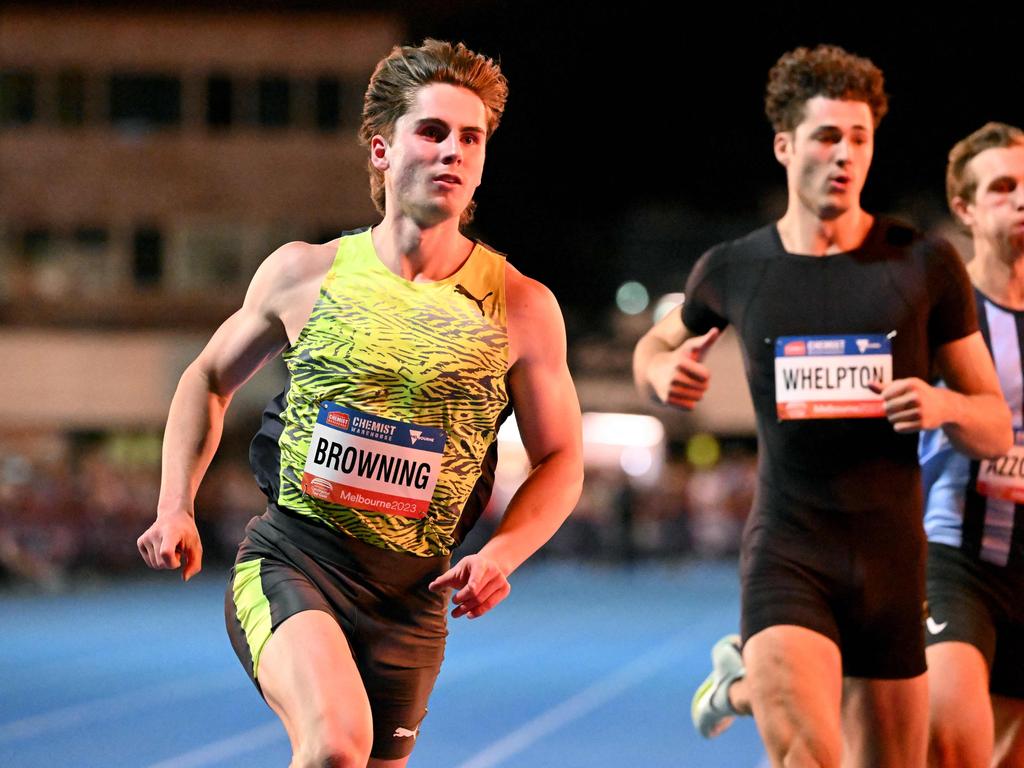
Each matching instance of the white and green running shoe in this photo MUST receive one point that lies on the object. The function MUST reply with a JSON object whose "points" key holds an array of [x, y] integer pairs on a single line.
{"points": [[711, 711]]}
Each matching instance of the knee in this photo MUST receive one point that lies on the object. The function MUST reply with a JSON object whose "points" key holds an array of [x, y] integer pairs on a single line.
{"points": [[334, 751], [809, 752], [951, 748]]}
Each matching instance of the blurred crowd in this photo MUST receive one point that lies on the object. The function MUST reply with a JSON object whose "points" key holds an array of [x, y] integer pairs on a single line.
{"points": [[71, 510]]}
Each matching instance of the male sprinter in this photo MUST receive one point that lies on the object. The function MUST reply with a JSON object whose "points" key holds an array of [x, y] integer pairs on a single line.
{"points": [[406, 345], [841, 316], [973, 514]]}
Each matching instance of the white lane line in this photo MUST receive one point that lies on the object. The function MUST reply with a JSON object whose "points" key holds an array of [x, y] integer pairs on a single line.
{"points": [[578, 705], [111, 706], [247, 741]]}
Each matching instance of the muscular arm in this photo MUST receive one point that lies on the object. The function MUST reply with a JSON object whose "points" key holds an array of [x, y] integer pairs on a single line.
{"points": [[667, 363], [978, 421], [241, 346], [548, 415], [972, 411]]}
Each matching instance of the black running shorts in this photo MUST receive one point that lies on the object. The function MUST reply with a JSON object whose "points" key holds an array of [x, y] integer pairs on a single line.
{"points": [[394, 625], [971, 601], [844, 577]]}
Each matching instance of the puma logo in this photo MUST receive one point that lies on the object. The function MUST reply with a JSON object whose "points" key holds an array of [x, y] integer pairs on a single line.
{"points": [[460, 288], [405, 733]]}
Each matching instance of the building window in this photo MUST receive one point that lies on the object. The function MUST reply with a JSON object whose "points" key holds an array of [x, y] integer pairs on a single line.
{"points": [[147, 257], [220, 95], [273, 95], [145, 101], [71, 98], [91, 240], [17, 97], [36, 245], [328, 104]]}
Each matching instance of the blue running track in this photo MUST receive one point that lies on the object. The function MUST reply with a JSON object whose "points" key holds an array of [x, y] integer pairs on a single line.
{"points": [[582, 665]]}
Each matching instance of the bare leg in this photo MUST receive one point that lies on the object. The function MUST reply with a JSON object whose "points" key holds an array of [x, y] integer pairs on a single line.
{"points": [[960, 722], [308, 677], [794, 678], [885, 722], [1009, 728], [739, 697]]}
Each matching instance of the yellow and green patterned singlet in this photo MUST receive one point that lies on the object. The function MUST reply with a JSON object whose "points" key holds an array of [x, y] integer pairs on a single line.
{"points": [[381, 351]]}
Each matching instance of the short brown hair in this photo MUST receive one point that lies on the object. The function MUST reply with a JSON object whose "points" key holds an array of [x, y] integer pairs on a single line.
{"points": [[959, 182], [827, 70], [404, 71]]}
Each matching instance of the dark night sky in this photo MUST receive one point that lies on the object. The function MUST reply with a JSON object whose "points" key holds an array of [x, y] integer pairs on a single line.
{"points": [[612, 112]]}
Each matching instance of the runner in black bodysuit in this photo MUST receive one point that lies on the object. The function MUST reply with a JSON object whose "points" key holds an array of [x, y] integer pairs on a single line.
{"points": [[840, 316]]}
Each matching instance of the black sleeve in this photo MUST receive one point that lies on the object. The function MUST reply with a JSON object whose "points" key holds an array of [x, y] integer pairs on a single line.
{"points": [[953, 315], [706, 291]]}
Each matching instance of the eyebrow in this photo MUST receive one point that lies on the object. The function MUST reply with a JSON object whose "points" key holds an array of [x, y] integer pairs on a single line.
{"points": [[1001, 179], [831, 127], [438, 121]]}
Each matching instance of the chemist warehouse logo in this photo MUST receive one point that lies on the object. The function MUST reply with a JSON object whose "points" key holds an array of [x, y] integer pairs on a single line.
{"points": [[338, 419], [811, 347]]}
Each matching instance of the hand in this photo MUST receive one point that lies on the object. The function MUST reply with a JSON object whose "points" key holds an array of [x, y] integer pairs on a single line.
{"points": [[172, 541], [481, 584], [912, 405], [683, 379]]}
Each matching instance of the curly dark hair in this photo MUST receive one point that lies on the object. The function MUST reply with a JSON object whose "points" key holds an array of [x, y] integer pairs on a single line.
{"points": [[959, 182], [826, 70], [397, 78]]}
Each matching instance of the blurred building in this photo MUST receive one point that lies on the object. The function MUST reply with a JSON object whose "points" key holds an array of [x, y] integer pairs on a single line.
{"points": [[150, 160]]}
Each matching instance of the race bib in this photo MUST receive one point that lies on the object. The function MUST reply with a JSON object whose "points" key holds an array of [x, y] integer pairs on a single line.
{"points": [[1003, 478], [371, 463], [827, 377]]}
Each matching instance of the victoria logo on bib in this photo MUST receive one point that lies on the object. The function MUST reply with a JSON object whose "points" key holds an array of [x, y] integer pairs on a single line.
{"points": [[827, 377], [371, 463]]}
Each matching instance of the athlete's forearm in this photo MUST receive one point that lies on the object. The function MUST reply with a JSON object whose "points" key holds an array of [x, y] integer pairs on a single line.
{"points": [[978, 425], [194, 427], [649, 352], [537, 510]]}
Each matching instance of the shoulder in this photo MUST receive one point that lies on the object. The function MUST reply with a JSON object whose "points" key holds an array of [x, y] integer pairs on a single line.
{"points": [[528, 300], [536, 331], [289, 279], [760, 243], [297, 262], [897, 234]]}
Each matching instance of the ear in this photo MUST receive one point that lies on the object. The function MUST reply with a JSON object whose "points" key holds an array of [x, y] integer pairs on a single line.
{"points": [[783, 146], [963, 211], [379, 153]]}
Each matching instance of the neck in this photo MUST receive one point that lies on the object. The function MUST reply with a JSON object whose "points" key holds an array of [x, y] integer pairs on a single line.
{"points": [[417, 252], [804, 232], [998, 272]]}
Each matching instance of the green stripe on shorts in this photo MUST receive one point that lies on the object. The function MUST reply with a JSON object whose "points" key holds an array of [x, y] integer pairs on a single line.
{"points": [[252, 608]]}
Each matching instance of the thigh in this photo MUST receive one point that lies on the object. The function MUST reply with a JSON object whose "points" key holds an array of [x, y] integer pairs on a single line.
{"points": [[1009, 727], [309, 678], [960, 716], [795, 685], [885, 722]]}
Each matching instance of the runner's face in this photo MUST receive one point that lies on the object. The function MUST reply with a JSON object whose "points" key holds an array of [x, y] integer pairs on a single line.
{"points": [[997, 212], [435, 159], [827, 155]]}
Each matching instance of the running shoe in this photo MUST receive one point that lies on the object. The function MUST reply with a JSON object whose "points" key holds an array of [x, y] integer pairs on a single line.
{"points": [[711, 711]]}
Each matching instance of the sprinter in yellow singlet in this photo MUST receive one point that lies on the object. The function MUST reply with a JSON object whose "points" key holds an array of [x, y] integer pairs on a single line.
{"points": [[407, 344]]}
